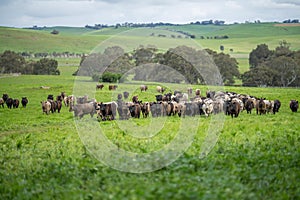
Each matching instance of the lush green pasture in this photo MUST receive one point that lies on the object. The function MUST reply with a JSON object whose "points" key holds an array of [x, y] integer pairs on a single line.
{"points": [[24, 40], [43, 157]]}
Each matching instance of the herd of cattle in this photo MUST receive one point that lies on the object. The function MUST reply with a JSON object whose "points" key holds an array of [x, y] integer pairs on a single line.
{"points": [[165, 104], [12, 102]]}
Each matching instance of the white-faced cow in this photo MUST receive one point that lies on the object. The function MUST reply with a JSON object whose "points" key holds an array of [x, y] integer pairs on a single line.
{"points": [[160, 89], [46, 107]]}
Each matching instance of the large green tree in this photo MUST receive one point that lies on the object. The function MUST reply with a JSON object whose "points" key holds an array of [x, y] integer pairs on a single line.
{"points": [[46, 66], [11, 62], [280, 67]]}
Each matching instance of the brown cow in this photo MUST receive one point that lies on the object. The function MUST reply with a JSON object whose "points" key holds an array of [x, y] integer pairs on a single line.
{"points": [[135, 110], [261, 106], [107, 111], [112, 87], [99, 86], [16, 103], [160, 89], [145, 107], [143, 88]]}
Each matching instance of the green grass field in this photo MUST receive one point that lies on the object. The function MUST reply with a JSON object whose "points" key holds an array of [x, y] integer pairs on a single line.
{"points": [[43, 157]]}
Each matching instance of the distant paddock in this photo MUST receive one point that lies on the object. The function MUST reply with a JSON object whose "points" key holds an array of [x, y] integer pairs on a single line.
{"points": [[288, 24]]}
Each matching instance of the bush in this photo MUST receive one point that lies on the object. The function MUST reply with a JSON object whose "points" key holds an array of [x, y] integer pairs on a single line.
{"points": [[107, 77]]}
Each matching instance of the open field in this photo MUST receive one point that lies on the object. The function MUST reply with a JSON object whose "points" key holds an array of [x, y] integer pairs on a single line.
{"points": [[43, 157]]}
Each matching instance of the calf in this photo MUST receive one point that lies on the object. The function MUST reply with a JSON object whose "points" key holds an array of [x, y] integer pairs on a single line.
{"points": [[294, 105], [24, 102]]}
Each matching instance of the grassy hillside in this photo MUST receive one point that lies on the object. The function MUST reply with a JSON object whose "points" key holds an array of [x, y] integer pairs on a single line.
{"points": [[21, 40], [243, 38]]}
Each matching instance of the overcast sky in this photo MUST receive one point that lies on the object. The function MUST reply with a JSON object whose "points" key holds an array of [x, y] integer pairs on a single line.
{"points": [[26, 13]]}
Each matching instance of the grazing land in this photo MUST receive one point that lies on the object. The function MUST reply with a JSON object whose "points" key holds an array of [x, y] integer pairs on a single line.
{"points": [[42, 156]]}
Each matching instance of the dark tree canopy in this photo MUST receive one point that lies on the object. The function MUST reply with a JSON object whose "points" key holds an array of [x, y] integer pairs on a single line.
{"points": [[11, 62], [280, 67], [180, 64]]}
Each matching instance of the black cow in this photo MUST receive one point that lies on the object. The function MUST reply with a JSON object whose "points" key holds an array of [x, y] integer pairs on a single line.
{"points": [[50, 96], [135, 110], [9, 102], [249, 105], [126, 95], [294, 105], [158, 97], [99, 86], [5, 97], [107, 111], [276, 106], [16, 103], [24, 102]]}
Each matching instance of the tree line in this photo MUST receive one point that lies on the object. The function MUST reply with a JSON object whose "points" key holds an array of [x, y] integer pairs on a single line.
{"points": [[180, 64], [12, 62], [279, 67]]}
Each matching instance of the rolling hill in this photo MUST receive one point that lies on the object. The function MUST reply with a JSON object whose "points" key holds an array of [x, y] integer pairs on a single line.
{"points": [[242, 38]]}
